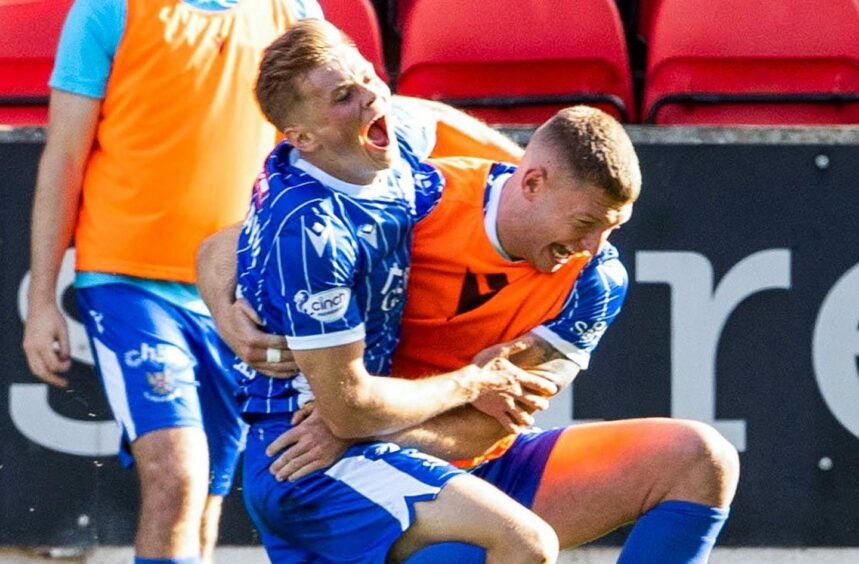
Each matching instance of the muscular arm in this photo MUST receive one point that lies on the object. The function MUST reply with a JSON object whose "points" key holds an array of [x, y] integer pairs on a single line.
{"points": [[461, 433], [236, 320], [216, 269], [355, 404], [71, 131], [467, 432]]}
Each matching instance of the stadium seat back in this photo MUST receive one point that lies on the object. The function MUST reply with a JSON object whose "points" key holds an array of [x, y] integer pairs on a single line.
{"points": [[402, 10], [29, 32], [358, 19], [516, 62], [647, 15], [766, 62]]}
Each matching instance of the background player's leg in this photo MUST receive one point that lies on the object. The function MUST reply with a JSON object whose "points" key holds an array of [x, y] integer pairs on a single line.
{"points": [[174, 473], [148, 373], [209, 527], [603, 475], [221, 421], [472, 511]]}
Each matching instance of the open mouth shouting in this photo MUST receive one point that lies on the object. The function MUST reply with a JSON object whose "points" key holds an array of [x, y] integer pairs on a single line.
{"points": [[375, 134], [560, 255]]}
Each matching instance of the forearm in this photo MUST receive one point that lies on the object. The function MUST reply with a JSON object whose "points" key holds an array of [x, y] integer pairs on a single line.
{"points": [[71, 131], [537, 356], [379, 405], [467, 432], [55, 210], [216, 269], [461, 433]]}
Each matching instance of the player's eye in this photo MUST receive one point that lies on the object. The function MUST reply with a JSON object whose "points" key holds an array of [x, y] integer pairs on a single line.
{"points": [[343, 95]]}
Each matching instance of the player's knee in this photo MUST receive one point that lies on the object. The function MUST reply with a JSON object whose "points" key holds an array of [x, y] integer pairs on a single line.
{"points": [[173, 485], [711, 465], [171, 490], [546, 544], [538, 543]]}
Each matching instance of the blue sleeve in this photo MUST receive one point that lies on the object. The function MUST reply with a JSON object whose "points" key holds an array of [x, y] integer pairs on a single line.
{"points": [[88, 43], [415, 125], [309, 9], [429, 185], [313, 277], [593, 304]]}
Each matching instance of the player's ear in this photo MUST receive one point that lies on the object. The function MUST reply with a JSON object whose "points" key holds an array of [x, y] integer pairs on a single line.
{"points": [[533, 182], [301, 139]]}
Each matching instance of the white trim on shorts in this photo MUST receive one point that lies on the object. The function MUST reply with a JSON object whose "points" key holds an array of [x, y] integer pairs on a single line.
{"points": [[386, 486], [114, 385]]}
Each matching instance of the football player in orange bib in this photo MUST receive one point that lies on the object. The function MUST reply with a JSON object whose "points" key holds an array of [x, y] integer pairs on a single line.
{"points": [[516, 260]]}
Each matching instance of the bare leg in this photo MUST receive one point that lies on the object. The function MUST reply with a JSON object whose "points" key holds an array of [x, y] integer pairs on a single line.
{"points": [[174, 476], [472, 511], [209, 528], [603, 475]]}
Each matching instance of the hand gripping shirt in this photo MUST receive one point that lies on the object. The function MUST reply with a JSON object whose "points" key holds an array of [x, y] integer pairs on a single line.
{"points": [[325, 263], [465, 294]]}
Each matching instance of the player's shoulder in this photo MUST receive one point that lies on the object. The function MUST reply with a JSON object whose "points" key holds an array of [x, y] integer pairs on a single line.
{"points": [[606, 270], [461, 165], [289, 191], [413, 126], [468, 179], [282, 174]]}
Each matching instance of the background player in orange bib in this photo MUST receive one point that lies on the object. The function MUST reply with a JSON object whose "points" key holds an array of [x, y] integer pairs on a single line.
{"points": [[153, 142]]}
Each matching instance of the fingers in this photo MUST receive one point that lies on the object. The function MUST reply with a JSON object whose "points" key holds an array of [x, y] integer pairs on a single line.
{"points": [[300, 466], [509, 426], [283, 442], [240, 328], [46, 345], [504, 350], [521, 418], [303, 413], [39, 368], [502, 408], [517, 414], [250, 322], [278, 370], [280, 468], [246, 308], [510, 349], [535, 383], [533, 403]]}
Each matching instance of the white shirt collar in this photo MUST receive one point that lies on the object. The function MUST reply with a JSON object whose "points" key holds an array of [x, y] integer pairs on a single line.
{"points": [[490, 217], [355, 190]]}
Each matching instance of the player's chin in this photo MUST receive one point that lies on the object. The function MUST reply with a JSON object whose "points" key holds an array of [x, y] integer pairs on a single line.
{"points": [[547, 262], [380, 158], [543, 263]]}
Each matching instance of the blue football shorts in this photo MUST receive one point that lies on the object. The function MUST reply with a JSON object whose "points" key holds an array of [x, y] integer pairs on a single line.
{"points": [[517, 473], [352, 511], [163, 366]]}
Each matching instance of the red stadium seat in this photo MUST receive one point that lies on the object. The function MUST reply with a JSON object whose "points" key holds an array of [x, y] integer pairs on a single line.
{"points": [[754, 63], [516, 61], [647, 10], [29, 32], [402, 8], [358, 19]]}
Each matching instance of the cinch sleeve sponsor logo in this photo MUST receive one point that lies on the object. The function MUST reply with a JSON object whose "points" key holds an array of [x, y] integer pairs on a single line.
{"points": [[326, 306], [589, 334]]}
